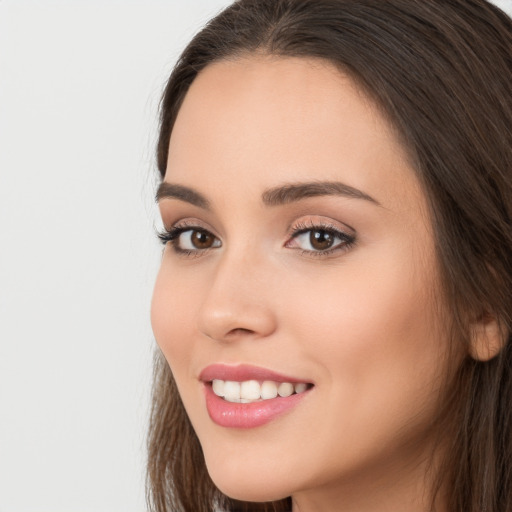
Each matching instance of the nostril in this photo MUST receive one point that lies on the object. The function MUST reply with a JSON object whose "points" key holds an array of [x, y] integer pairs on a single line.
{"points": [[238, 331]]}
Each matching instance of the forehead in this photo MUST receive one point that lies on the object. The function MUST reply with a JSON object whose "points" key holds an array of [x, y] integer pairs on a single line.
{"points": [[266, 120]]}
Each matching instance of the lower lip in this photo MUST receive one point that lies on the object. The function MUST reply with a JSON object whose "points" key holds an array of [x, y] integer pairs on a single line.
{"points": [[237, 415]]}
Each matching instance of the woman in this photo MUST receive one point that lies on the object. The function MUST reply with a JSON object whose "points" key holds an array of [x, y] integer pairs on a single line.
{"points": [[334, 299]]}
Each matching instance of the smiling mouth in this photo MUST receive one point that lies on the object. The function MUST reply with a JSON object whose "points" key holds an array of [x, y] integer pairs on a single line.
{"points": [[250, 391]]}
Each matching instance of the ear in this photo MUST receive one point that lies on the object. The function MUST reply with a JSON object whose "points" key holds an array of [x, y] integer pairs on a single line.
{"points": [[487, 338]]}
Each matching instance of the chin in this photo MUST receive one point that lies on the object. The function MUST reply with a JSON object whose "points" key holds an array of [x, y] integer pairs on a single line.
{"points": [[247, 484], [252, 492]]}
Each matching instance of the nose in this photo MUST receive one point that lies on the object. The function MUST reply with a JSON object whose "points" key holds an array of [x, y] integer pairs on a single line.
{"points": [[238, 302]]}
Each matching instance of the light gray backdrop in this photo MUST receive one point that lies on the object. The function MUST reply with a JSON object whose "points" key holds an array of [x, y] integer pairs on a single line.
{"points": [[79, 85], [80, 82]]}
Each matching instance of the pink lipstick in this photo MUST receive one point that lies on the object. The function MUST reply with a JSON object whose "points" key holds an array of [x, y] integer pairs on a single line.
{"points": [[245, 396]]}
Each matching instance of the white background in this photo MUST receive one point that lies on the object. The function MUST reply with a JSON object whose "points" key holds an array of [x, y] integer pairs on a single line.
{"points": [[80, 82]]}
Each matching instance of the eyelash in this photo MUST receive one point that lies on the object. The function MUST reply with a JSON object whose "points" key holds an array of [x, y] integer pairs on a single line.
{"points": [[347, 241], [172, 236]]}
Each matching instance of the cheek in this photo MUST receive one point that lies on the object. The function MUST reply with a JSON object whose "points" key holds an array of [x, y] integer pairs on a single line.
{"points": [[377, 338], [382, 322], [171, 317], [366, 310], [173, 310]]}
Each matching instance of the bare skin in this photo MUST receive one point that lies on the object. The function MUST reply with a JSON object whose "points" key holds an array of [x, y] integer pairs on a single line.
{"points": [[357, 318]]}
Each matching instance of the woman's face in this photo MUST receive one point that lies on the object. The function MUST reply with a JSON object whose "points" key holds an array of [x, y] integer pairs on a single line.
{"points": [[301, 253]]}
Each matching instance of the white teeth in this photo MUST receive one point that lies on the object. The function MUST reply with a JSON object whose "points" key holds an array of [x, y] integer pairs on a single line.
{"points": [[252, 391], [268, 390], [232, 391], [301, 387], [285, 389], [218, 387]]}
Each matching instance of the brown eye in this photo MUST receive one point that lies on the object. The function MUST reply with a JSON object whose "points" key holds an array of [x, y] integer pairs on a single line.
{"points": [[202, 239], [193, 240], [321, 239]]}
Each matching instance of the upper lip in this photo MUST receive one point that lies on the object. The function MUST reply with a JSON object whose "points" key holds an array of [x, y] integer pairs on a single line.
{"points": [[244, 372]]}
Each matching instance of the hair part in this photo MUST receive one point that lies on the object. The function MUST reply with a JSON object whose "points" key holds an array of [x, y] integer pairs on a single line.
{"points": [[441, 71]]}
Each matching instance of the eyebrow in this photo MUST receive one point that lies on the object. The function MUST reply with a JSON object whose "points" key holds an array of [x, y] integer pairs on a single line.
{"points": [[189, 195], [283, 194], [296, 191]]}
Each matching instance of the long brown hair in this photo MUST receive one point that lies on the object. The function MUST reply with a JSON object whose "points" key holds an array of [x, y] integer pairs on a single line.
{"points": [[441, 71]]}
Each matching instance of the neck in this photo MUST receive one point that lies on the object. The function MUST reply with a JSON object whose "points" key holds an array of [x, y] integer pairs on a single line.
{"points": [[388, 487]]}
